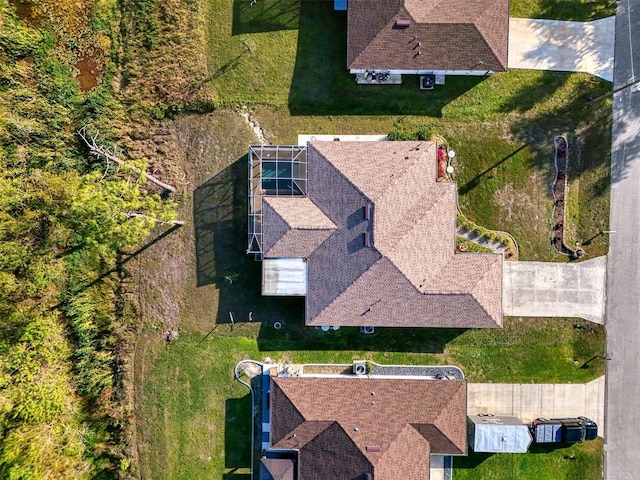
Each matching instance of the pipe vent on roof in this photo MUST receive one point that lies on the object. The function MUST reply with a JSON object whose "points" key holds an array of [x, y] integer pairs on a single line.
{"points": [[367, 239], [367, 211], [373, 449], [402, 23]]}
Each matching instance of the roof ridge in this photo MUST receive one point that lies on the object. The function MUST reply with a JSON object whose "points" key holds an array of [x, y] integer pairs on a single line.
{"points": [[286, 224], [415, 225], [391, 20], [297, 199], [483, 39], [487, 272], [382, 257], [344, 175], [487, 269], [266, 198], [440, 417], [491, 47], [375, 32]]}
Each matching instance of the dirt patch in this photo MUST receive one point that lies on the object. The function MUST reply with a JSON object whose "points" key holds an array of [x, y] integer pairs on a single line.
{"points": [[194, 149], [90, 67], [26, 12]]}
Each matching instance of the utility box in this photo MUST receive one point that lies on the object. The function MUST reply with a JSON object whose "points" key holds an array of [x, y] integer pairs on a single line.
{"points": [[496, 434]]}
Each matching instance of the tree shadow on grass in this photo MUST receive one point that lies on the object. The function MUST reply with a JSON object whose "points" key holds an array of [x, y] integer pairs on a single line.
{"points": [[587, 125], [322, 84], [217, 218], [265, 16]]}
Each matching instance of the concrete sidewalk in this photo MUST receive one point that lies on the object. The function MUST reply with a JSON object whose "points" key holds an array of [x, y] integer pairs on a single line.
{"points": [[528, 401], [548, 289], [562, 46]]}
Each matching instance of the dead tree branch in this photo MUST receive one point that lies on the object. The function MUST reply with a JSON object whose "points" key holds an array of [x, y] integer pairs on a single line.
{"points": [[100, 151]]}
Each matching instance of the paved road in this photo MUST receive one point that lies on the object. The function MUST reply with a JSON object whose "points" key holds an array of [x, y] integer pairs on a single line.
{"points": [[622, 454]]}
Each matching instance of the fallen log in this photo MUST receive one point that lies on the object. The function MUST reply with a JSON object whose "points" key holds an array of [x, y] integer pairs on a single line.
{"points": [[100, 151]]}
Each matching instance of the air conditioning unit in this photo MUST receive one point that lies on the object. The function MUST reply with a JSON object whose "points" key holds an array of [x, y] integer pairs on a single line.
{"points": [[360, 367], [367, 330]]}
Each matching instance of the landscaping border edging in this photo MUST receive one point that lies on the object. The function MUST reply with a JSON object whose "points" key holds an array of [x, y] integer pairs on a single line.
{"points": [[559, 192]]}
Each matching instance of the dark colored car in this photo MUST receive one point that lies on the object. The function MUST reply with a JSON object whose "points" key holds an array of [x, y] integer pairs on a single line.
{"points": [[563, 430]]}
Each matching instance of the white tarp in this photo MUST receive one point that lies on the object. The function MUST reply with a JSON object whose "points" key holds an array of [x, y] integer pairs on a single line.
{"points": [[493, 436], [284, 276]]}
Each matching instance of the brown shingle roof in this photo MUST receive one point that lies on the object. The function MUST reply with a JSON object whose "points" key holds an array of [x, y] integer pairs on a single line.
{"points": [[293, 227], [300, 213], [277, 469], [453, 34], [409, 275], [344, 417]]}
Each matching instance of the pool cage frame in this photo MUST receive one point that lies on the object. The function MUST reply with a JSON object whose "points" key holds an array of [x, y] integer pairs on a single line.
{"points": [[276, 171]]}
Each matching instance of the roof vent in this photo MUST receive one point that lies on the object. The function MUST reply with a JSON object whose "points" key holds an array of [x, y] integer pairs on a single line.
{"points": [[373, 449], [367, 239], [402, 23], [367, 211]]}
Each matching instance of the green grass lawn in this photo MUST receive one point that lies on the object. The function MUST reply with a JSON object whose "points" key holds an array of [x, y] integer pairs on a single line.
{"points": [[194, 419], [541, 463], [577, 10]]}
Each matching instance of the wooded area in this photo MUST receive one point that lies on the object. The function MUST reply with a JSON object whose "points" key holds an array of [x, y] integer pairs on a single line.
{"points": [[67, 221]]}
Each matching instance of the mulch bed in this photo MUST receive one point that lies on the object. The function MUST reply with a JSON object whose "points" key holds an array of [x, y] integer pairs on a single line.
{"points": [[559, 191]]}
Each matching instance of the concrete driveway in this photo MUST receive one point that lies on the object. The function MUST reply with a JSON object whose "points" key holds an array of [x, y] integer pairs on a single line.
{"points": [[546, 289], [562, 46], [528, 401]]}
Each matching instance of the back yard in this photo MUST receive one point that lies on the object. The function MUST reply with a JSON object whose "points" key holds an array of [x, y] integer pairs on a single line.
{"points": [[284, 62]]}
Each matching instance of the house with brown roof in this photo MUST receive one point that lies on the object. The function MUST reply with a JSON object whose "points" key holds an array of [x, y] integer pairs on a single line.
{"points": [[367, 235], [367, 428], [441, 37]]}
